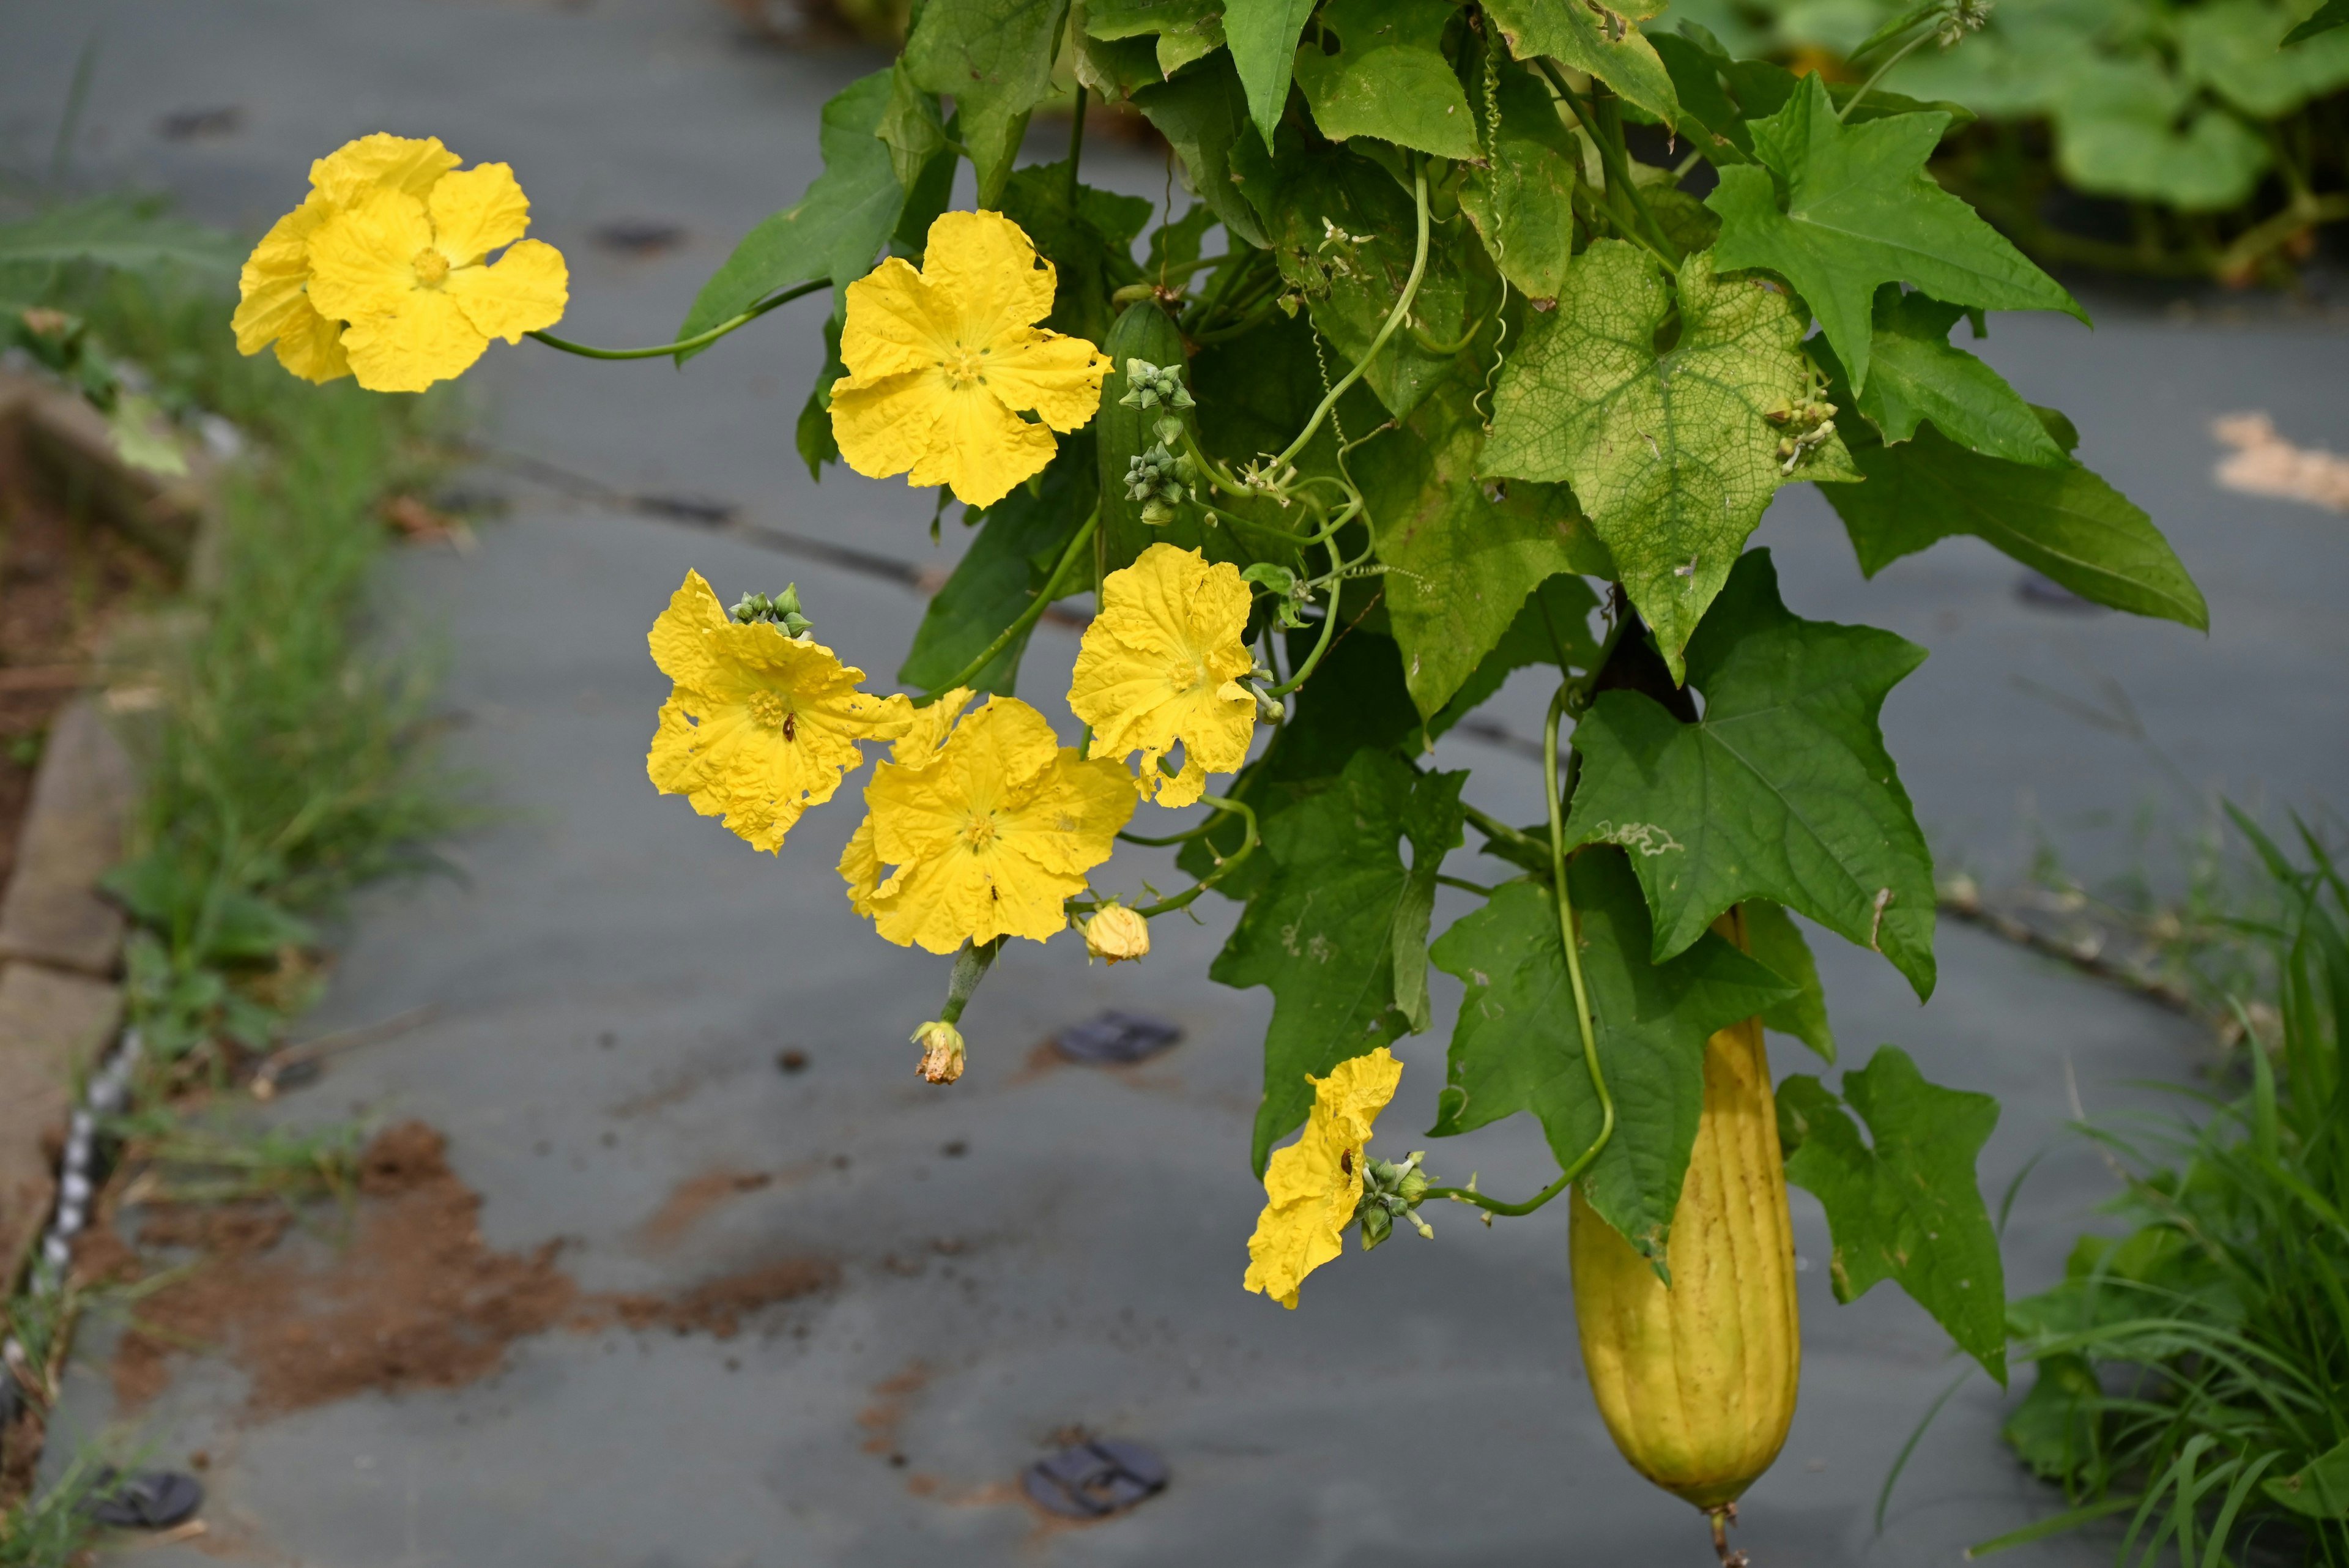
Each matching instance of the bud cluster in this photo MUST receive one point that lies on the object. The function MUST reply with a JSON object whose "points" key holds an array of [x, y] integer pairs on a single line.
{"points": [[1391, 1192], [1152, 385], [1159, 480], [783, 609], [1807, 426], [1963, 17]]}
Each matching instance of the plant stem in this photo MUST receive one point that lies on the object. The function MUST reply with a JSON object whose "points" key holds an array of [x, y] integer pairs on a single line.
{"points": [[1027, 618], [1394, 319], [1899, 55], [1603, 118], [1493, 828], [1224, 865], [970, 967], [1076, 147], [1567, 933], [683, 345]]}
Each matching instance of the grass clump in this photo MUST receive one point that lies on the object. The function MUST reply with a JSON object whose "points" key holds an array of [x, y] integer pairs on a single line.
{"points": [[2193, 1373]]}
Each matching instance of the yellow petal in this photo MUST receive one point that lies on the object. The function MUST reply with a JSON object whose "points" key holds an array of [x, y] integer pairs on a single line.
{"points": [[896, 323], [927, 728], [380, 161], [524, 291], [1311, 1188], [984, 263], [271, 298], [1059, 378], [475, 211], [680, 650], [1160, 666], [426, 341], [862, 870], [1070, 824], [980, 449], [363, 260], [312, 347]]}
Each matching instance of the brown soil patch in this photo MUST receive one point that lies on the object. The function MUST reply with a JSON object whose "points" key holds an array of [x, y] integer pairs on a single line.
{"points": [[414, 1297], [691, 1200]]}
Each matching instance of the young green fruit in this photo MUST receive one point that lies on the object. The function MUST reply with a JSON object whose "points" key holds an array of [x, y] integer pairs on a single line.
{"points": [[1696, 1381]]}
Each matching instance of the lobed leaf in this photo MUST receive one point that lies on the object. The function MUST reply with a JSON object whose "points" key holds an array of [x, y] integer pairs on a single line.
{"points": [[1186, 30], [1920, 375], [1777, 942], [1552, 626], [1377, 68], [1521, 199], [995, 58], [1262, 36], [1603, 41], [1202, 113]]}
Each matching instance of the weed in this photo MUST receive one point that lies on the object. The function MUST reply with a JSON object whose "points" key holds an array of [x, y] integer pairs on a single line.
{"points": [[184, 1163]]}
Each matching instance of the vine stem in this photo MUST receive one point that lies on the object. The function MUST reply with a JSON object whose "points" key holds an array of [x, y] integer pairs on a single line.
{"points": [[1027, 618], [699, 340], [1395, 318], [1606, 129], [1225, 865], [1907, 49]]}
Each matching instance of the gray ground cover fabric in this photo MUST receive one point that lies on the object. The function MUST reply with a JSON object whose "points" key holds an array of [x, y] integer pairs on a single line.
{"points": [[1078, 1262]]}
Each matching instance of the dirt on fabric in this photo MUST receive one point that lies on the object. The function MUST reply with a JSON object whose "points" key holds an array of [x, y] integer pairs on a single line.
{"points": [[410, 1296]]}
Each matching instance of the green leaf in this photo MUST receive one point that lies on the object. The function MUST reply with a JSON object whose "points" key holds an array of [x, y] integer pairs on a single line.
{"points": [[1674, 455], [1377, 68], [1778, 944], [2320, 1489], [1114, 69], [834, 231], [1201, 113], [1859, 211], [1020, 539], [1091, 245], [1462, 553], [112, 232], [2324, 19], [995, 58], [1554, 617], [1782, 791], [1326, 932], [1904, 1205], [1522, 200], [1920, 375], [1263, 36], [909, 127], [1186, 30], [1721, 95], [1344, 234], [2235, 48], [2124, 129], [1518, 1047], [1587, 36], [2065, 522], [2053, 1431], [813, 434]]}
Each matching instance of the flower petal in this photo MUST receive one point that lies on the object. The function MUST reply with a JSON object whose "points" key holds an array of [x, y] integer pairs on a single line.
{"points": [[681, 647], [984, 263], [363, 260], [883, 427], [312, 347], [524, 291], [1313, 1187], [475, 211], [426, 341], [271, 298], [896, 322], [1159, 667], [1059, 378], [979, 448], [352, 170]]}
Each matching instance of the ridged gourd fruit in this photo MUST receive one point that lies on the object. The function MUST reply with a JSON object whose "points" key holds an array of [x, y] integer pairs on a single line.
{"points": [[1696, 1381]]}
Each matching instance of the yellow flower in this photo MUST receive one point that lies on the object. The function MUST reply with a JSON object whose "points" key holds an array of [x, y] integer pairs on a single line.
{"points": [[1117, 933], [942, 361], [408, 270], [1161, 665], [917, 748], [273, 304], [1312, 1185], [989, 833], [760, 726]]}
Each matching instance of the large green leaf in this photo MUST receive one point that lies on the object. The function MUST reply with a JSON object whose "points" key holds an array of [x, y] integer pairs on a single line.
{"points": [[2130, 128], [834, 231], [1340, 911], [1090, 244], [1905, 1205], [1518, 1047], [1020, 539], [1186, 30], [1838, 209], [1778, 944], [1920, 375], [2234, 48], [2065, 521], [995, 58], [2318, 1490], [1587, 36], [2324, 19], [1344, 234], [1263, 36], [1553, 626], [1460, 553], [1377, 68], [109, 230], [1782, 791], [1674, 454], [1521, 199], [1201, 113]]}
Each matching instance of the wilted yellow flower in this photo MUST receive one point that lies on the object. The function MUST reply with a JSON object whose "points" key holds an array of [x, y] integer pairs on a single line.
{"points": [[990, 833], [1161, 664], [760, 726], [408, 270], [942, 1052], [1313, 1187], [942, 361], [1117, 933], [273, 304]]}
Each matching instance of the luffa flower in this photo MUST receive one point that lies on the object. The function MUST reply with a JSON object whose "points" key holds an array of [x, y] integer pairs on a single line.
{"points": [[1313, 1187], [404, 260], [760, 726], [1161, 664], [273, 304], [989, 833], [942, 361]]}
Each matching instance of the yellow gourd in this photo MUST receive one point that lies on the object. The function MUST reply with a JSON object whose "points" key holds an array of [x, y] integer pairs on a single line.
{"points": [[1697, 1382]]}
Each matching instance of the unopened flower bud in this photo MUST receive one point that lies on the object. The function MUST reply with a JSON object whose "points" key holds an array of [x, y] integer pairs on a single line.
{"points": [[1151, 386], [1117, 933], [942, 1052]]}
